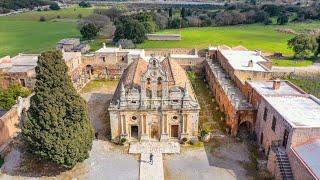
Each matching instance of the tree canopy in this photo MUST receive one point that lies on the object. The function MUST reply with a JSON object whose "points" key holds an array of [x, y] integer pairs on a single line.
{"points": [[58, 128], [303, 45], [9, 96], [89, 31]]}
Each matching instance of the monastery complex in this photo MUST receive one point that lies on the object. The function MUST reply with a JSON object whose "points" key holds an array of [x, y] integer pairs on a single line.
{"points": [[155, 101]]}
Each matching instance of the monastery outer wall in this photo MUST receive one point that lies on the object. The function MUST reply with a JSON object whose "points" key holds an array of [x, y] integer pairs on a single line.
{"points": [[167, 51], [163, 37], [222, 99], [10, 120]]}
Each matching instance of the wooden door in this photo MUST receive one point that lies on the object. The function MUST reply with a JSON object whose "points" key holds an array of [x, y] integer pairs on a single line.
{"points": [[174, 131], [154, 131]]}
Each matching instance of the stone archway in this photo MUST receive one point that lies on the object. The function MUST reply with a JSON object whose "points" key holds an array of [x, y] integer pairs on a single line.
{"points": [[245, 129], [89, 70]]}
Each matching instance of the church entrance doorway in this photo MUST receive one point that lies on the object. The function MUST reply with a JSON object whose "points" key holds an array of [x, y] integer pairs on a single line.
{"points": [[155, 131], [174, 131], [134, 132]]}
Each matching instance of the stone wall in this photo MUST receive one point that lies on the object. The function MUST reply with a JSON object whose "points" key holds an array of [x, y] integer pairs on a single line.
{"points": [[10, 120], [264, 126], [299, 169], [163, 37], [167, 51]]}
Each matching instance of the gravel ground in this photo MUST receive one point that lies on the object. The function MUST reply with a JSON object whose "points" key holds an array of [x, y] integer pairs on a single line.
{"points": [[208, 162]]}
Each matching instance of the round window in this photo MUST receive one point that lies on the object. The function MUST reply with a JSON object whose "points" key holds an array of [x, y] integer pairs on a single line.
{"points": [[175, 117], [134, 118]]}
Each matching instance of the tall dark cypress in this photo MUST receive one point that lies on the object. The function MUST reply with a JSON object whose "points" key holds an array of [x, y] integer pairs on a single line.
{"points": [[58, 127]]}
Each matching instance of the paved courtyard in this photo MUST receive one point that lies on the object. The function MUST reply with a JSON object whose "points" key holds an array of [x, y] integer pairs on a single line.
{"points": [[221, 159]]}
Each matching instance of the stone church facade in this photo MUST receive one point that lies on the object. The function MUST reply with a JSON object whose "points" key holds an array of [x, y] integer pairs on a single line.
{"points": [[154, 101]]}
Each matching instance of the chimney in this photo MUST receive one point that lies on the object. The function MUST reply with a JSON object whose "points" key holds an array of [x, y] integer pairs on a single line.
{"points": [[276, 84], [258, 52], [250, 63]]}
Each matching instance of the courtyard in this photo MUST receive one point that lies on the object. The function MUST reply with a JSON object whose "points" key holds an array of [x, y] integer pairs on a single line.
{"points": [[223, 157]]}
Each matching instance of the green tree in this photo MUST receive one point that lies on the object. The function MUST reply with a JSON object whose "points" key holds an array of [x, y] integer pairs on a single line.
{"points": [[54, 6], [318, 49], [89, 31], [303, 45], [58, 128], [130, 29], [9, 96], [183, 13], [84, 4], [283, 19], [170, 12]]}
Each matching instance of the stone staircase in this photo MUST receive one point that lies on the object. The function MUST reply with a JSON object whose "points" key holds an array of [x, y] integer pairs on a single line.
{"points": [[284, 164]]}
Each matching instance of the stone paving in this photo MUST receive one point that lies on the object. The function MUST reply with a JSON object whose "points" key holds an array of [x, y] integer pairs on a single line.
{"points": [[153, 171]]}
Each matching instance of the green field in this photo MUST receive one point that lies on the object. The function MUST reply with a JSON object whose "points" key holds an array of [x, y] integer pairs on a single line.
{"points": [[255, 36], [23, 33]]}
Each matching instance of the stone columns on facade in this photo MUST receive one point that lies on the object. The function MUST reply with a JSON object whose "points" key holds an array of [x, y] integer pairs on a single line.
{"points": [[184, 129], [123, 126], [144, 127], [164, 128]]}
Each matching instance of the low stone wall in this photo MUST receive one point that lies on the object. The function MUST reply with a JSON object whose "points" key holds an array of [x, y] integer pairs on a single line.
{"points": [[163, 37], [10, 120]]}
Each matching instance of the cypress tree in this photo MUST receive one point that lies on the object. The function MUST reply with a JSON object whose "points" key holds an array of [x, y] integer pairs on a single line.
{"points": [[58, 128]]}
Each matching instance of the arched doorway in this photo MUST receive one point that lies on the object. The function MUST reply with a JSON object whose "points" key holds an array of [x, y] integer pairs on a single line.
{"points": [[89, 70], [245, 130]]}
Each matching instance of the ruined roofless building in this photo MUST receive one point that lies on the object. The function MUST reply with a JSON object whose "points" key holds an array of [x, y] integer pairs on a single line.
{"points": [[154, 101]]}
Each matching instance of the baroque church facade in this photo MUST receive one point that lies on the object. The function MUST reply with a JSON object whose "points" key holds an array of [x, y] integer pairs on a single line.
{"points": [[154, 100]]}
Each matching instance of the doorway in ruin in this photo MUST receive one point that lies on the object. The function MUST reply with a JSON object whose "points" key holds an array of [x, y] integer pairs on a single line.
{"points": [[155, 131], [134, 132], [244, 130], [174, 131]]}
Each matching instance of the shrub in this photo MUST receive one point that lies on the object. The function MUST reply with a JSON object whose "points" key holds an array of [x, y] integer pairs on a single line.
{"points": [[42, 19], [184, 140], [203, 133], [123, 140]]}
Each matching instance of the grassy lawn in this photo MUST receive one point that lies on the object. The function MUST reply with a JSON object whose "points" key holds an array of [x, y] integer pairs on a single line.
{"points": [[290, 62], [255, 36], [100, 85], [23, 33], [210, 117]]}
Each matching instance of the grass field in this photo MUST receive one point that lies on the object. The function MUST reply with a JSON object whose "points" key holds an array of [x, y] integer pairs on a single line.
{"points": [[23, 33], [255, 36], [290, 62]]}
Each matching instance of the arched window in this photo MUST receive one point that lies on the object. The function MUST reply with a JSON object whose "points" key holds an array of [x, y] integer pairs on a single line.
{"points": [[154, 63], [148, 80]]}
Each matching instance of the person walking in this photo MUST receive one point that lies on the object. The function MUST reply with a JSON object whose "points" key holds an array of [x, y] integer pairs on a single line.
{"points": [[151, 159]]}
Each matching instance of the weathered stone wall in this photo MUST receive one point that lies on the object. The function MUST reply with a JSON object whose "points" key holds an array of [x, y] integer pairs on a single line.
{"points": [[272, 165], [299, 169], [264, 126], [301, 135], [163, 37], [10, 120], [167, 51]]}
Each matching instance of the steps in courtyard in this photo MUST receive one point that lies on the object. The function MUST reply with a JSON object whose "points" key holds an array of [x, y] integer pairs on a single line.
{"points": [[150, 171], [153, 171]]}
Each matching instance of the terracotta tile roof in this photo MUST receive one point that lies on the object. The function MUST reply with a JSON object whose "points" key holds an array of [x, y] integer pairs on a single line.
{"points": [[133, 73]]}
